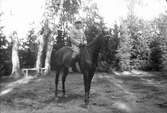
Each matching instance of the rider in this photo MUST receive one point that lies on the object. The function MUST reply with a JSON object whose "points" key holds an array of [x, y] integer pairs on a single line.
{"points": [[77, 38]]}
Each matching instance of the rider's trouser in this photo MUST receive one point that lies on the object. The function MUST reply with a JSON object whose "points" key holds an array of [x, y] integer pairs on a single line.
{"points": [[75, 56], [75, 51]]}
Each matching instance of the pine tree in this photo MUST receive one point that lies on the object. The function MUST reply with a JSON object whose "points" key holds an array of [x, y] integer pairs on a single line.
{"points": [[162, 27], [123, 52]]}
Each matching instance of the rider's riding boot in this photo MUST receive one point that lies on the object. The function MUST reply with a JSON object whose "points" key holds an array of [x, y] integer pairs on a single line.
{"points": [[75, 64], [74, 68]]}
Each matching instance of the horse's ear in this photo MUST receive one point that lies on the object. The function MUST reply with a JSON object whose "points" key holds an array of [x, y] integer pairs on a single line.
{"points": [[98, 35], [106, 39], [107, 36]]}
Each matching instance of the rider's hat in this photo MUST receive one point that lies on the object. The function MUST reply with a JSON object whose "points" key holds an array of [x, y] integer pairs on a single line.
{"points": [[78, 21]]}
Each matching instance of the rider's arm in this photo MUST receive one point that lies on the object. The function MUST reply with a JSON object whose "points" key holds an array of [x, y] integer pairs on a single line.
{"points": [[84, 37], [72, 39]]}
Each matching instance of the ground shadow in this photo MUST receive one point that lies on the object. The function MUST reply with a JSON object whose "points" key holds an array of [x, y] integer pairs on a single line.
{"points": [[69, 98]]}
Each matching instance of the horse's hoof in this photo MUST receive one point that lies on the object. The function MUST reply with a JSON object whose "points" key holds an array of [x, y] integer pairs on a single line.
{"points": [[56, 98], [84, 106], [86, 102], [64, 96]]}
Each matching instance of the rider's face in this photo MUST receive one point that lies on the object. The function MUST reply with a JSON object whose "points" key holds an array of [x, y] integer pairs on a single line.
{"points": [[78, 25]]}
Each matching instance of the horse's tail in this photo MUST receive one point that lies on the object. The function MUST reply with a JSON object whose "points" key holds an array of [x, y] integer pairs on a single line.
{"points": [[63, 57], [85, 56]]}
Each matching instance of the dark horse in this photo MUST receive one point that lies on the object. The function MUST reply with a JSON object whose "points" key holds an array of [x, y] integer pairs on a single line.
{"points": [[88, 59]]}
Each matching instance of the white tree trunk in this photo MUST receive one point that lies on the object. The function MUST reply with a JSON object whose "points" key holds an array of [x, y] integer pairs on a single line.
{"points": [[48, 55], [15, 58], [50, 41], [59, 13], [39, 54]]}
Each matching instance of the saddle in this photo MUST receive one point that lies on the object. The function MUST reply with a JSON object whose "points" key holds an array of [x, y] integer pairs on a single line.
{"points": [[84, 55]]}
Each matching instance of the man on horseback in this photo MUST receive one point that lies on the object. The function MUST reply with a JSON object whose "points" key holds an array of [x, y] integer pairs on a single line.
{"points": [[77, 39]]}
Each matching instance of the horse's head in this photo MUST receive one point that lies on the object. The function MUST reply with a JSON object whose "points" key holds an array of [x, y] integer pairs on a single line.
{"points": [[103, 41], [100, 42], [106, 40]]}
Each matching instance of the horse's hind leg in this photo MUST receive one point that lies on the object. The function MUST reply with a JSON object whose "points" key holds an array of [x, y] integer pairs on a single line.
{"points": [[65, 73], [90, 77], [56, 82], [86, 86]]}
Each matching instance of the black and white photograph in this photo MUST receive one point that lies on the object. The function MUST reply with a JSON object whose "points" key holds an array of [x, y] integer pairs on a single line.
{"points": [[83, 56]]}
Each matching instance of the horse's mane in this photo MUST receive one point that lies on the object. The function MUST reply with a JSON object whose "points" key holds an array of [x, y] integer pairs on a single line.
{"points": [[94, 40], [90, 52]]}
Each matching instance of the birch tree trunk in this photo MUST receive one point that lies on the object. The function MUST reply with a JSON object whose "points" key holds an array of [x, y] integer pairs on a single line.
{"points": [[39, 54], [15, 58], [59, 13], [50, 41], [48, 54]]}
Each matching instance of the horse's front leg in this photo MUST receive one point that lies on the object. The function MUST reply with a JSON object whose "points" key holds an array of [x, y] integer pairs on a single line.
{"points": [[56, 83], [86, 85], [65, 73]]}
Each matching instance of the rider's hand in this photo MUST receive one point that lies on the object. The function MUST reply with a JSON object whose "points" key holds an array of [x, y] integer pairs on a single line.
{"points": [[81, 45]]}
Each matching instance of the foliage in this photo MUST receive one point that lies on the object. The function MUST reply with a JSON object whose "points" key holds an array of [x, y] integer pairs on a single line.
{"points": [[156, 55], [113, 43], [162, 28], [123, 52], [28, 53], [5, 53], [93, 21], [139, 45]]}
